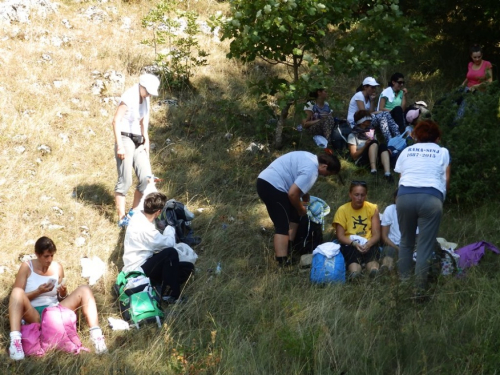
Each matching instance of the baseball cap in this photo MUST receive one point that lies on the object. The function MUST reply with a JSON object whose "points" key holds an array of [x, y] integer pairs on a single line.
{"points": [[370, 81], [150, 82], [412, 115]]}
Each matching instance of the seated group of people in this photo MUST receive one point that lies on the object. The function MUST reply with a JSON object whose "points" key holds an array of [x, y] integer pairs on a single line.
{"points": [[40, 282], [389, 116], [425, 173]]}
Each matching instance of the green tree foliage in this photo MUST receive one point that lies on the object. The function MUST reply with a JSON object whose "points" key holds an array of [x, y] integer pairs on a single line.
{"points": [[175, 29], [454, 27], [473, 144], [315, 38]]}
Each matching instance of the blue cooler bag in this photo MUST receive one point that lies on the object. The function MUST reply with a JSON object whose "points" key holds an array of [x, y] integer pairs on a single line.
{"points": [[328, 270]]}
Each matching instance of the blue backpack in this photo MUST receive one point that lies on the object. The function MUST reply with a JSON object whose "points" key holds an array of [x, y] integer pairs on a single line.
{"points": [[328, 270]]}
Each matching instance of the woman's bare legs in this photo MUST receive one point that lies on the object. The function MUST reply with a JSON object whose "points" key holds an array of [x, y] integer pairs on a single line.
{"points": [[20, 308], [84, 298]]}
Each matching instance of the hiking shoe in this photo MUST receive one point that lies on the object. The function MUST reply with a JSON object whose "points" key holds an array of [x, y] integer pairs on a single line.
{"points": [[99, 344], [173, 301], [373, 273], [389, 179], [354, 277], [16, 351]]}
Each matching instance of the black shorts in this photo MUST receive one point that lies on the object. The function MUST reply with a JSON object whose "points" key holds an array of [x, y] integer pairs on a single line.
{"points": [[352, 255], [364, 159], [278, 205]]}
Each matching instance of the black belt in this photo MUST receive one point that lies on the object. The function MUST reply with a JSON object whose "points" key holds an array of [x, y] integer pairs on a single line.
{"points": [[137, 139]]}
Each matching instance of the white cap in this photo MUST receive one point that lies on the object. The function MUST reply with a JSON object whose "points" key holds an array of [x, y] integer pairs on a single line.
{"points": [[370, 81], [150, 82]]}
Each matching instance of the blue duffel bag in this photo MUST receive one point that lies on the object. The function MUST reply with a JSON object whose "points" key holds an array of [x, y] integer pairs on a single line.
{"points": [[328, 270]]}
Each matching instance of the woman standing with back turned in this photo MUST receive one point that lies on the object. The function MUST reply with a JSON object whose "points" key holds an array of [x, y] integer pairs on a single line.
{"points": [[425, 177]]}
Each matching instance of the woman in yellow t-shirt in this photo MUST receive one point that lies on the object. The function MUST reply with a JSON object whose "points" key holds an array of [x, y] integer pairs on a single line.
{"points": [[358, 230]]}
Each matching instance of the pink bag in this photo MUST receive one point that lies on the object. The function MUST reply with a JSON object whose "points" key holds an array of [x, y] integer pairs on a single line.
{"points": [[58, 330], [31, 340]]}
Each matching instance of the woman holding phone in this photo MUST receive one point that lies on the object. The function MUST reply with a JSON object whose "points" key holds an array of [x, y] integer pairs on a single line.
{"points": [[39, 284]]}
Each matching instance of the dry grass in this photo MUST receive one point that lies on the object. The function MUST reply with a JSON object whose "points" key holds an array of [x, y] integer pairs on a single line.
{"points": [[251, 319]]}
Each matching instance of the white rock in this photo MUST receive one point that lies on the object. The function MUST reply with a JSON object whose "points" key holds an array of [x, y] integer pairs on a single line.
{"points": [[19, 138], [29, 243], [20, 149], [228, 136], [104, 112], [46, 57], [254, 147], [55, 227], [97, 87], [57, 210], [64, 137], [200, 210], [66, 23], [58, 84], [95, 14], [44, 149], [38, 161], [126, 23], [21, 10], [80, 241], [44, 198]]}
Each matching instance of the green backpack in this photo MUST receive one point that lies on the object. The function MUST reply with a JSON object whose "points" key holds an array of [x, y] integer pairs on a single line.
{"points": [[138, 300]]}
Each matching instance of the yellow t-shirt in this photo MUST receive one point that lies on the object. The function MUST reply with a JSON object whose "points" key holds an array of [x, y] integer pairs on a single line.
{"points": [[357, 222]]}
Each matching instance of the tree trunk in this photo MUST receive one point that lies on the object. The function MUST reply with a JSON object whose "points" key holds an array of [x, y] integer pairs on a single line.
{"points": [[279, 127]]}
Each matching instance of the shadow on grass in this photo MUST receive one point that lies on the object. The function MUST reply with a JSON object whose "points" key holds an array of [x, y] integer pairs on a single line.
{"points": [[116, 256], [97, 196]]}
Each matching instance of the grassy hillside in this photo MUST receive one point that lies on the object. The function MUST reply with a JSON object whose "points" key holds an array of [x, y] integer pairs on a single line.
{"points": [[252, 318]]}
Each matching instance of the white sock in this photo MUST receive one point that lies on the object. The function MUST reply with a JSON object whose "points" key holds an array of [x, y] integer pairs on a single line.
{"points": [[15, 335], [95, 332], [387, 173], [373, 171]]}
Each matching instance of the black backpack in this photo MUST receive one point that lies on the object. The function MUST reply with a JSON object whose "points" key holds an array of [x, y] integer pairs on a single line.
{"points": [[338, 137], [309, 236], [178, 216]]}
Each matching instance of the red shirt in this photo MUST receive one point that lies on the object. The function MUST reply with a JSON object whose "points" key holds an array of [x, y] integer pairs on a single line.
{"points": [[475, 77]]}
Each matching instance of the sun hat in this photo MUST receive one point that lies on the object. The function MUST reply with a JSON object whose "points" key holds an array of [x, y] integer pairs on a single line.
{"points": [[412, 115], [370, 81], [150, 82]]}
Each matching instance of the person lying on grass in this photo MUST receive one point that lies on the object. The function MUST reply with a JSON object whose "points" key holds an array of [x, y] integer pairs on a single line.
{"points": [[39, 285], [357, 224], [282, 185]]}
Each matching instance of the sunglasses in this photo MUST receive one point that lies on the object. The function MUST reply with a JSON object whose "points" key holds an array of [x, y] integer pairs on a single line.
{"points": [[359, 183], [401, 82]]}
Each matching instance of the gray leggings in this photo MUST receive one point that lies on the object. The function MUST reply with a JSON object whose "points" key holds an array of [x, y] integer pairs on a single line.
{"points": [[135, 159], [424, 211]]}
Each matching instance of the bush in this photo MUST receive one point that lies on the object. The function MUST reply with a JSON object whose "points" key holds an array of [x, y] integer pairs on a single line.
{"points": [[473, 143]]}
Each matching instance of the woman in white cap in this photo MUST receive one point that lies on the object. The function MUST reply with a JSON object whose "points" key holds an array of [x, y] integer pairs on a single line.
{"points": [[364, 99], [130, 127]]}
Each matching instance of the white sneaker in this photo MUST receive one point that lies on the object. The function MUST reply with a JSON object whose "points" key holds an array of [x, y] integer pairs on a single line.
{"points": [[99, 344], [16, 349]]}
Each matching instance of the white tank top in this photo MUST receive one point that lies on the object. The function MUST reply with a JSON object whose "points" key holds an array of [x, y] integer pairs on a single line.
{"points": [[35, 280]]}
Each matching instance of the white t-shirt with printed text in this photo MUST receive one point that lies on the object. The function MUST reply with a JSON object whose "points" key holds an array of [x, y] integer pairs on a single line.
{"points": [[423, 165]]}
